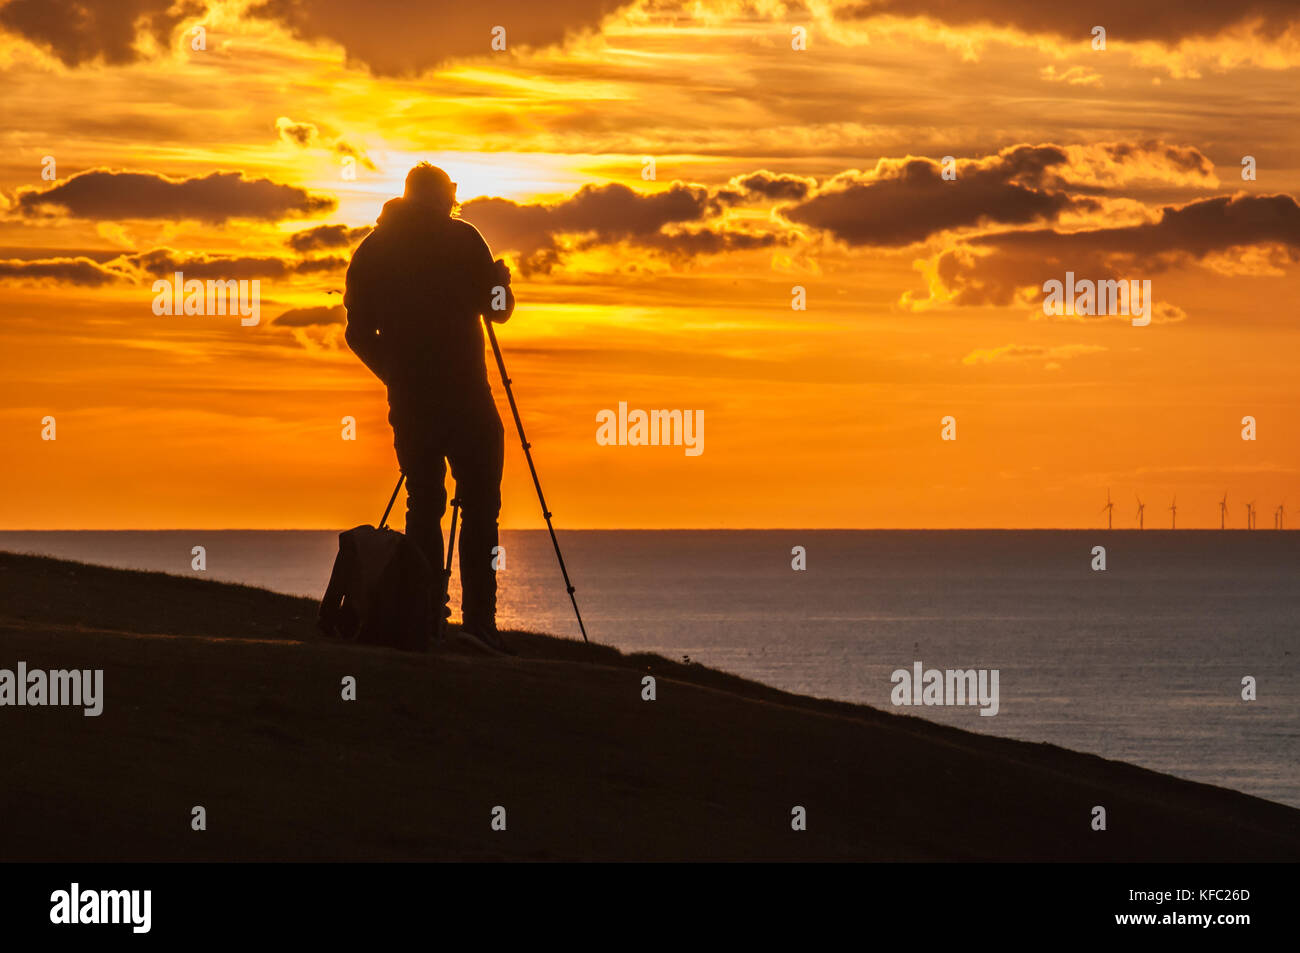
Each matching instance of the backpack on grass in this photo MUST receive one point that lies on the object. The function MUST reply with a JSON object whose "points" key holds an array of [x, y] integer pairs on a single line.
{"points": [[381, 591]]}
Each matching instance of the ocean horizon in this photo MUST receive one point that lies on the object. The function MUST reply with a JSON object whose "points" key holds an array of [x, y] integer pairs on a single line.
{"points": [[1142, 662]]}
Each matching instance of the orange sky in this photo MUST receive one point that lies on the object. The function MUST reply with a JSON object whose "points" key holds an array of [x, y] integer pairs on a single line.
{"points": [[774, 167]]}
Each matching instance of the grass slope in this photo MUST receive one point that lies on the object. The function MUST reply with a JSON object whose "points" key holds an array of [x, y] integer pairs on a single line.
{"points": [[222, 696]]}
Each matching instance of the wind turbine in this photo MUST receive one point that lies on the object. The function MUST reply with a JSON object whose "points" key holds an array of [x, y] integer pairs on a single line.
{"points": [[1279, 516], [1141, 506], [1108, 509], [1173, 514], [1223, 510], [1250, 515]]}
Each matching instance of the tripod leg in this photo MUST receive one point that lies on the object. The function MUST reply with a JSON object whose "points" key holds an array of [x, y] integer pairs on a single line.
{"points": [[383, 520], [443, 610], [537, 484]]}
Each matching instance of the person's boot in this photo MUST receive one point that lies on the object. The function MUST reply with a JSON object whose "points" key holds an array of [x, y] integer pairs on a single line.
{"points": [[441, 624], [479, 598], [485, 634]]}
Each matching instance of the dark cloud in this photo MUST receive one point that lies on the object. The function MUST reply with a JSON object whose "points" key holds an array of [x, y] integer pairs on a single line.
{"points": [[1197, 229], [313, 266], [1184, 158], [162, 262], [307, 135], [311, 317], [158, 263], [27, 253], [1182, 235], [709, 241], [772, 185], [764, 186], [907, 201], [83, 31], [345, 148], [398, 37], [327, 236], [298, 133], [1166, 21], [105, 195], [602, 213], [68, 271]]}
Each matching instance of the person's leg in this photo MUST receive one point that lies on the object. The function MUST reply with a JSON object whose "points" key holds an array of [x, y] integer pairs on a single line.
{"points": [[477, 456], [420, 456]]}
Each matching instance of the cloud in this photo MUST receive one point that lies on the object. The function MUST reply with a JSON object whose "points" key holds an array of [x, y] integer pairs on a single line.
{"points": [[1194, 229], [344, 148], [400, 38], [688, 243], [83, 31], [308, 135], [992, 269], [312, 317], [298, 133], [327, 236], [102, 194], [311, 266], [163, 262], [1013, 353], [1162, 21], [69, 271], [772, 185], [903, 201], [603, 213], [159, 263], [1118, 163], [1073, 76]]}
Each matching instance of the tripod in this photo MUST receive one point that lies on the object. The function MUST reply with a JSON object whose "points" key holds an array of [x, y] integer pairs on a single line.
{"points": [[546, 513], [451, 548]]}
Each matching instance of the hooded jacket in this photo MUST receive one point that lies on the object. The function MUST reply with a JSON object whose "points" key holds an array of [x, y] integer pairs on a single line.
{"points": [[415, 289]]}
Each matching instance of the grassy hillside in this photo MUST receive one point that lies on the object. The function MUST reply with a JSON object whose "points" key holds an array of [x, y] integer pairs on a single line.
{"points": [[221, 696]]}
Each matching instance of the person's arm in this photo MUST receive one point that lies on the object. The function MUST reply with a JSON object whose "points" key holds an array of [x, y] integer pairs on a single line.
{"points": [[362, 334], [501, 279], [490, 280], [366, 343]]}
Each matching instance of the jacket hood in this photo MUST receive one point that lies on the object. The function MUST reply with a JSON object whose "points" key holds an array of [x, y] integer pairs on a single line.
{"points": [[403, 213]]}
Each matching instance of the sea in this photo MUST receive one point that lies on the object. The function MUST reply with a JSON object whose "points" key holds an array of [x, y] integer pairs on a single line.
{"points": [[1144, 661]]}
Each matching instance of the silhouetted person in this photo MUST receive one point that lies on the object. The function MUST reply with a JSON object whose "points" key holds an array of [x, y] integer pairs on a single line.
{"points": [[415, 290]]}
